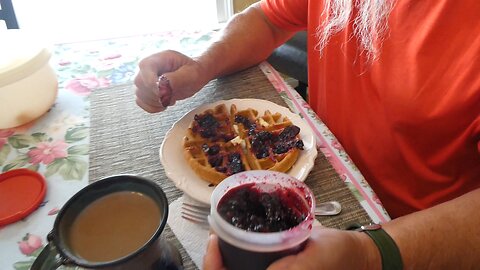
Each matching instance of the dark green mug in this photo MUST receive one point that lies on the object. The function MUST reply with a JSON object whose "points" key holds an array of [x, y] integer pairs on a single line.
{"points": [[156, 253]]}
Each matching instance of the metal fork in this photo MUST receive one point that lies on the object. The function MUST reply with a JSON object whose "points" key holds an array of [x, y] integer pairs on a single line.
{"points": [[198, 213]]}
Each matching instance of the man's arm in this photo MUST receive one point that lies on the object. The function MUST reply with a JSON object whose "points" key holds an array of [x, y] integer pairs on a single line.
{"points": [[446, 236], [248, 39]]}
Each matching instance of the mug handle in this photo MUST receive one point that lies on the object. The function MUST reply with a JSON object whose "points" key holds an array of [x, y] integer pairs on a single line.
{"points": [[49, 258]]}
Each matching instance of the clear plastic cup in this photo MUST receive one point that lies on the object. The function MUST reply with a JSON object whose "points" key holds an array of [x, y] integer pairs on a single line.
{"points": [[242, 249]]}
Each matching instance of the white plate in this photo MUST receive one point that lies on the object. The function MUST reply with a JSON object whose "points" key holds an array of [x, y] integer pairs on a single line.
{"points": [[178, 170]]}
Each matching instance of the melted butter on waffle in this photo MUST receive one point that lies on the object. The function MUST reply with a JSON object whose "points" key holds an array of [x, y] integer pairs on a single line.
{"points": [[222, 142]]}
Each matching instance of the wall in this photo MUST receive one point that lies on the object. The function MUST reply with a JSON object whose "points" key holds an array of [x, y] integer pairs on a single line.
{"points": [[239, 5]]}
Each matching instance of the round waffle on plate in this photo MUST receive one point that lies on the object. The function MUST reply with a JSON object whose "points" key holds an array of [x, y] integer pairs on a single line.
{"points": [[222, 141], [187, 177]]}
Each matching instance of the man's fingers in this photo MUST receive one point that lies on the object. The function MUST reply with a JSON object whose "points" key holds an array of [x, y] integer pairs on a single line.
{"points": [[163, 79], [149, 108], [147, 77], [180, 82], [213, 258]]}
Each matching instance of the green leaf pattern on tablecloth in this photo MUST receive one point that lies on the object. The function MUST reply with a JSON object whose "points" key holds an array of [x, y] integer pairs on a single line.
{"points": [[288, 101], [355, 191], [18, 162], [73, 168], [4, 151], [62, 157], [81, 149], [76, 134], [21, 141]]}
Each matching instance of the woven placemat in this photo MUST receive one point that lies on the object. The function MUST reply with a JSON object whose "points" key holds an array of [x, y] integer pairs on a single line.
{"points": [[126, 140]]}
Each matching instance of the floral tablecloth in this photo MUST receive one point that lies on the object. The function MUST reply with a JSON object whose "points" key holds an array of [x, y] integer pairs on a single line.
{"points": [[56, 145]]}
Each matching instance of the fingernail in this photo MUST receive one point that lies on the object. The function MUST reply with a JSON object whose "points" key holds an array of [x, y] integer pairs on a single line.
{"points": [[164, 84], [209, 241]]}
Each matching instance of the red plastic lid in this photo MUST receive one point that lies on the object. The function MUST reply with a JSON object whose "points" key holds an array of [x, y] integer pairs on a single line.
{"points": [[21, 192]]}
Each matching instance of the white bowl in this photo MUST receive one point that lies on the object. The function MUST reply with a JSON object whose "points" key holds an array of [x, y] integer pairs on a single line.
{"points": [[28, 84]]}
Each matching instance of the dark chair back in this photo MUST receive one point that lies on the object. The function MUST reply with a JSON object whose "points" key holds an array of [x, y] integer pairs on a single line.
{"points": [[291, 60], [7, 14]]}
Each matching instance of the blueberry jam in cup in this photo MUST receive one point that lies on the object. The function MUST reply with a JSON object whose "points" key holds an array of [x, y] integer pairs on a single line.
{"points": [[259, 217]]}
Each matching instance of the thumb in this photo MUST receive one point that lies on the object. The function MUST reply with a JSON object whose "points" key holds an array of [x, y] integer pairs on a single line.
{"points": [[213, 258], [184, 82]]}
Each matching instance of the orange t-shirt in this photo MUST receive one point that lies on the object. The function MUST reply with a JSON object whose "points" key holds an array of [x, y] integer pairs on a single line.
{"points": [[410, 120]]}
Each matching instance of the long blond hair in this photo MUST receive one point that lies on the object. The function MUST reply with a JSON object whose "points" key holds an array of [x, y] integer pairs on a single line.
{"points": [[369, 24]]}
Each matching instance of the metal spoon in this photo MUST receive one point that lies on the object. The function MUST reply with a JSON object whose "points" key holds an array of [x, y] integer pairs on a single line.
{"points": [[328, 208]]}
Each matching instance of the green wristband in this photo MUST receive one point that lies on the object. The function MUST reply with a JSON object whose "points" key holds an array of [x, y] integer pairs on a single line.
{"points": [[391, 257]]}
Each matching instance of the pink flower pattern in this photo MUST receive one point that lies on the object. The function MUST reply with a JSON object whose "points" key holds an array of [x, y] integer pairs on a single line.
{"points": [[64, 63], [112, 56], [337, 145], [53, 211], [4, 134], [47, 152], [83, 85], [30, 243], [376, 199]]}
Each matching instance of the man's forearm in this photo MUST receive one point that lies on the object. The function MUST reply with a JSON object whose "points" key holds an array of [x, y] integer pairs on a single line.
{"points": [[248, 39], [446, 236]]}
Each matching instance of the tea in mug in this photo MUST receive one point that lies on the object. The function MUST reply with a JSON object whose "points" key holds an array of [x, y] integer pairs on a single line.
{"points": [[114, 226]]}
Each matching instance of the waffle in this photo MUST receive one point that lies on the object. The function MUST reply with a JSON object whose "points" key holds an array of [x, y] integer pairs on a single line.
{"points": [[222, 142]]}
